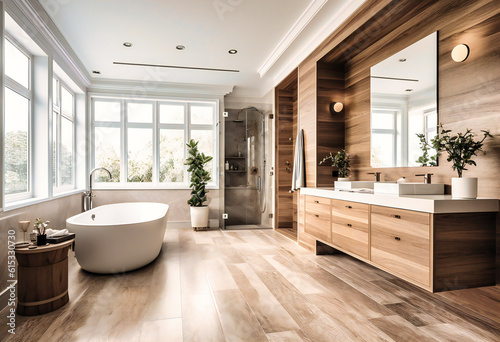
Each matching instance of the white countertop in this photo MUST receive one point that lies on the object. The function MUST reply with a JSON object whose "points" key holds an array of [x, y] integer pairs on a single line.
{"points": [[435, 204]]}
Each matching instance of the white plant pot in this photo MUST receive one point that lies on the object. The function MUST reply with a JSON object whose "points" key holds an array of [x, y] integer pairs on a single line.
{"points": [[343, 179], [464, 187], [199, 216]]}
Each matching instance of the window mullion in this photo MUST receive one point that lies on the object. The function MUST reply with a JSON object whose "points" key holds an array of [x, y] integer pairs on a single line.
{"points": [[187, 135], [156, 144], [124, 143]]}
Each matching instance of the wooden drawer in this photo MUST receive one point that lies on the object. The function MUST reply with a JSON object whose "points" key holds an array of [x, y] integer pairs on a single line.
{"points": [[318, 217], [354, 212], [318, 204], [318, 225], [400, 242]]}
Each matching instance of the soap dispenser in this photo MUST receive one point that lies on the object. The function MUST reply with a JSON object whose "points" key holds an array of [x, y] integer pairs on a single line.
{"points": [[401, 180], [226, 165]]}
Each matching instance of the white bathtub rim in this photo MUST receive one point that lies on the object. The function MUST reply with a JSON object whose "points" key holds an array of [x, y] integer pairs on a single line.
{"points": [[73, 220]]}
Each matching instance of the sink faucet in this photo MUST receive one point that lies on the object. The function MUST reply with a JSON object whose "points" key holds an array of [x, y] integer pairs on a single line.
{"points": [[427, 177], [87, 195], [377, 175]]}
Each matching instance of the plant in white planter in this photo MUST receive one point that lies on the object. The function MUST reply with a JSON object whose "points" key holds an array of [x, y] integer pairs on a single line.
{"points": [[460, 148], [199, 179], [341, 160]]}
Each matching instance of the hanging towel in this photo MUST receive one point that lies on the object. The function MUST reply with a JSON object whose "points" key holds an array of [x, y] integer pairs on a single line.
{"points": [[299, 172]]}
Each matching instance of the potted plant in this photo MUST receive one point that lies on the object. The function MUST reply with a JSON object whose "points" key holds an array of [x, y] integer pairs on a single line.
{"points": [[199, 179], [461, 147], [341, 161]]}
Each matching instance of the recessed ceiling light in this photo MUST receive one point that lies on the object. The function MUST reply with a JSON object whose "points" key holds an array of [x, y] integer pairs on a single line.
{"points": [[402, 60], [408, 90], [127, 44], [233, 52], [180, 47], [96, 72]]}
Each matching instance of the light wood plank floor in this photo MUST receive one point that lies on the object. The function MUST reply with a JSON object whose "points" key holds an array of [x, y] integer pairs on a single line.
{"points": [[254, 285]]}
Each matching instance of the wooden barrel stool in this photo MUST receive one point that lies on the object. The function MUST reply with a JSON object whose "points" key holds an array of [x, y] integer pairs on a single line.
{"points": [[42, 284]]}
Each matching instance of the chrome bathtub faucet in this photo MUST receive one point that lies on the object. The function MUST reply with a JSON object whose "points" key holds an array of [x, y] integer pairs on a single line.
{"points": [[88, 195]]}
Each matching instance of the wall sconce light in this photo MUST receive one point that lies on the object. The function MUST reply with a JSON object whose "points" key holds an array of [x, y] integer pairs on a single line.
{"points": [[460, 53], [336, 107]]}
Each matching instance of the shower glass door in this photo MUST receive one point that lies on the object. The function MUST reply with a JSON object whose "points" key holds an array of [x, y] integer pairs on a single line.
{"points": [[244, 190]]}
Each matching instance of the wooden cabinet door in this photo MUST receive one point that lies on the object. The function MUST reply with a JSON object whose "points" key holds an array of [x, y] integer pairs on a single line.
{"points": [[318, 217], [400, 242], [350, 227]]}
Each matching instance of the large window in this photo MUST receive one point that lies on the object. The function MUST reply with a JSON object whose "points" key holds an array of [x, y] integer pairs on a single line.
{"points": [[18, 99], [143, 142], [63, 103]]}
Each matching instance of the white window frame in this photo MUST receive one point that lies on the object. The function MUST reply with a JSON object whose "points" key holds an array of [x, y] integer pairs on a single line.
{"points": [[57, 108], [393, 132], [123, 124], [27, 93], [184, 126]]}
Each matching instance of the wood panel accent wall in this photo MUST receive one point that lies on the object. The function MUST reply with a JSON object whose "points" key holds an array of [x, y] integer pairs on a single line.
{"points": [[330, 128], [468, 95], [286, 106], [307, 117]]}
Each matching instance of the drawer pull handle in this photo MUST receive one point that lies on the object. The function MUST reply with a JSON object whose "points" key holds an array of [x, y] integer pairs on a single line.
{"points": [[397, 238], [396, 216], [349, 225], [316, 215], [316, 201], [348, 206]]}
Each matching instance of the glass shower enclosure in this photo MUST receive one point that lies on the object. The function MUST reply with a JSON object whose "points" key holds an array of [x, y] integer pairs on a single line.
{"points": [[245, 169]]}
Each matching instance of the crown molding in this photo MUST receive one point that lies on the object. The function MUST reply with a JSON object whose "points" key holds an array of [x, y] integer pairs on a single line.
{"points": [[334, 23], [237, 102], [290, 36], [62, 52], [148, 88]]}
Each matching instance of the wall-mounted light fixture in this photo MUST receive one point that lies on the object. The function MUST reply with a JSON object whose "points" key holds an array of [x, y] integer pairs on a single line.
{"points": [[460, 53], [336, 107]]}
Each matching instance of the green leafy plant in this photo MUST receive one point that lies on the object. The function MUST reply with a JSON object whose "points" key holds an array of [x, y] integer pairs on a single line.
{"points": [[426, 159], [199, 176], [340, 160], [461, 147]]}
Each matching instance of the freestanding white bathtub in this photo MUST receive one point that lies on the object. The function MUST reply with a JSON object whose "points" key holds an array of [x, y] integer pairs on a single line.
{"points": [[119, 237]]}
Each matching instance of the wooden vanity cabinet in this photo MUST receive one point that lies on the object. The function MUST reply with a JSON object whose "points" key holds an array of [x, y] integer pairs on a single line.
{"points": [[318, 217], [350, 230], [437, 252]]}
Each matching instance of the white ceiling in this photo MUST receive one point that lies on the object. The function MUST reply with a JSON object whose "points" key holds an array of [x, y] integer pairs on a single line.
{"points": [[96, 30]]}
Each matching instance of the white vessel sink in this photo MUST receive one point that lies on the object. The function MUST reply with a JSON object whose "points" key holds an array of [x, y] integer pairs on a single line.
{"points": [[349, 185], [409, 189]]}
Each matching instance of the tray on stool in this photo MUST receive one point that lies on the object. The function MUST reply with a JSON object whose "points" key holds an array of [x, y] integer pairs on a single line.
{"points": [[62, 238]]}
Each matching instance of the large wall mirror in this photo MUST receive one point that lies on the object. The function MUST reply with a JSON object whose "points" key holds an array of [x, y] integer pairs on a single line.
{"points": [[404, 104]]}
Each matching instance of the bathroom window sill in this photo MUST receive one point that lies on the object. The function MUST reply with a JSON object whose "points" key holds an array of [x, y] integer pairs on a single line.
{"points": [[146, 187], [37, 200]]}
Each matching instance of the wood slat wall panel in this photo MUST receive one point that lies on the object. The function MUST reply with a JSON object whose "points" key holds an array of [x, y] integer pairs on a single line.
{"points": [[330, 128], [307, 115], [286, 126]]}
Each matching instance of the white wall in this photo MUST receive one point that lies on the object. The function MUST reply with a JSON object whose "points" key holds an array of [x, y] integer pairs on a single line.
{"points": [[176, 199]]}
